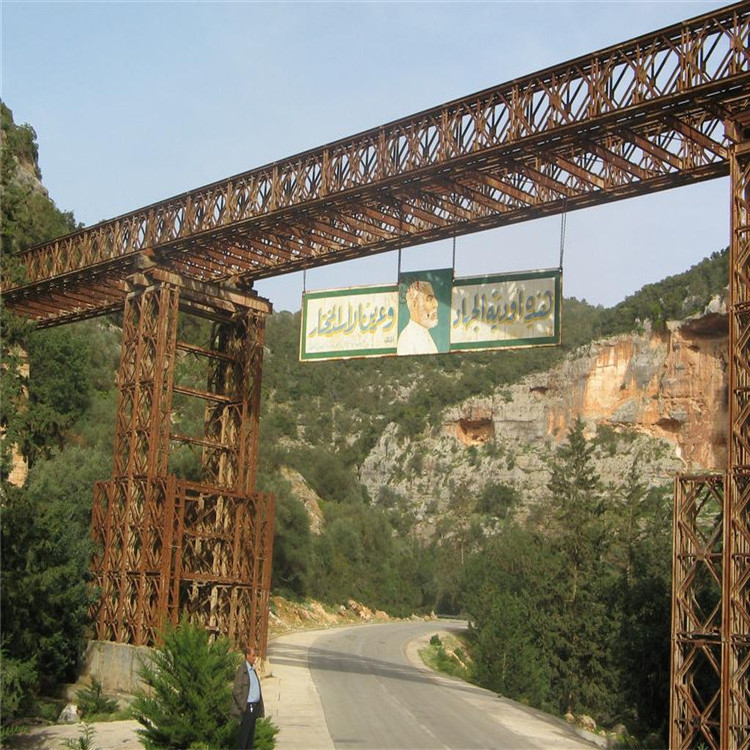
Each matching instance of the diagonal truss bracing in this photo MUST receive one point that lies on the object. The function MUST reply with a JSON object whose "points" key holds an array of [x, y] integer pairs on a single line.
{"points": [[166, 547], [641, 116]]}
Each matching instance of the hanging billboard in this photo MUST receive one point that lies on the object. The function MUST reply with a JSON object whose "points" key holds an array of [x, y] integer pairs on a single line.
{"points": [[431, 312], [353, 322], [512, 310]]}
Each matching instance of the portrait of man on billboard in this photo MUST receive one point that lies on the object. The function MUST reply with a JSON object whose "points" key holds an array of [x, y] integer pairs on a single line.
{"points": [[424, 301]]}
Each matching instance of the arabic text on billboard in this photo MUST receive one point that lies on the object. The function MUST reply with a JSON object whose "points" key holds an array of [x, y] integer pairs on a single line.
{"points": [[430, 312], [358, 322], [505, 311]]}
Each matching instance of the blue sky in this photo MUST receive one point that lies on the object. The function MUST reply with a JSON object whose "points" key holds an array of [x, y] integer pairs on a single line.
{"points": [[134, 102]]}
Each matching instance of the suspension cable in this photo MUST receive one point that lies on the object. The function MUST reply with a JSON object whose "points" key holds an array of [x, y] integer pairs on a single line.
{"points": [[563, 222]]}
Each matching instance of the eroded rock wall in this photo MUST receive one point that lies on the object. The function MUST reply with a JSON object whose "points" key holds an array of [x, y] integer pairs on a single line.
{"points": [[655, 398]]}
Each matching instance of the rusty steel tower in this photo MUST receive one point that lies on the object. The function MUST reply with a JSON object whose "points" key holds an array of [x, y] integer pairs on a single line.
{"points": [[711, 565], [168, 546]]}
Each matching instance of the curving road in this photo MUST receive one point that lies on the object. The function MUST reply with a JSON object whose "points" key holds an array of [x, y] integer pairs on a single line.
{"points": [[374, 694]]}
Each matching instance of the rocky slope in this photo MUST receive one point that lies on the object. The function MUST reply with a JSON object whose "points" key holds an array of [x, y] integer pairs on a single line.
{"points": [[657, 398]]}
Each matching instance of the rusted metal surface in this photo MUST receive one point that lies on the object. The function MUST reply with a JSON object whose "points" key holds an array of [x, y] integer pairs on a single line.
{"points": [[146, 374], [697, 575], [736, 677], [224, 562], [167, 547], [711, 649], [638, 117]]}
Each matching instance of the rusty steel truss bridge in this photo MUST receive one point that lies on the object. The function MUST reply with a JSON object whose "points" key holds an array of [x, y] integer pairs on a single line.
{"points": [[667, 109]]}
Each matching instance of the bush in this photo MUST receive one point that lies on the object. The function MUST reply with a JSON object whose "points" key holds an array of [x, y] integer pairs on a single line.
{"points": [[17, 679], [92, 701], [265, 735], [84, 741], [189, 693]]}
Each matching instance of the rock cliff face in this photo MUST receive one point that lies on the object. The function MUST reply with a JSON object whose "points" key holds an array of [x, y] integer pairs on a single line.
{"points": [[655, 398], [304, 493]]}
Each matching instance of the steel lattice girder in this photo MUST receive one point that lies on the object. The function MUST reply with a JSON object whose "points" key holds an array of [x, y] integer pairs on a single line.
{"points": [[168, 547], [224, 565], [133, 529], [641, 116]]}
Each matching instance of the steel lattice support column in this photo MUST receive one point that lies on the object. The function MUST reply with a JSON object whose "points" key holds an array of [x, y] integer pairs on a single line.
{"points": [[710, 702], [146, 376], [133, 528], [234, 420], [736, 635], [132, 519], [165, 546], [225, 574], [697, 575]]}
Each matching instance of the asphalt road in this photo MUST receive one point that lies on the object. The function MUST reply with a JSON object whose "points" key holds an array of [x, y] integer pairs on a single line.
{"points": [[374, 695]]}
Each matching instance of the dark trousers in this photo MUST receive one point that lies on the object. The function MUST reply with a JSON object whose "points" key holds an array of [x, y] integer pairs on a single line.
{"points": [[247, 727]]}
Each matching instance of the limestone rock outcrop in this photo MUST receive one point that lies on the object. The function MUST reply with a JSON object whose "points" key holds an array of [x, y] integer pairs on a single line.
{"points": [[307, 496], [657, 398]]}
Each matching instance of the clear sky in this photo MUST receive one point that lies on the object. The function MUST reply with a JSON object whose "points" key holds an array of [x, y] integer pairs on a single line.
{"points": [[134, 102]]}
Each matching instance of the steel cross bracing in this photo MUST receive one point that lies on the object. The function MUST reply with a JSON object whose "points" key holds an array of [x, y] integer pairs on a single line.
{"points": [[638, 117], [710, 699], [166, 547], [697, 612], [736, 584]]}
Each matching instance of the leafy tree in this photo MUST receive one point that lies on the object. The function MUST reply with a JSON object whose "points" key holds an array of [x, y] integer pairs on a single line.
{"points": [[505, 588], [644, 592], [59, 387], [45, 562], [292, 546], [577, 505]]}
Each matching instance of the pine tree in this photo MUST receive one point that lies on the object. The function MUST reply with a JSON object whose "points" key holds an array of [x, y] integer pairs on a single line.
{"points": [[189, 692], [584, 633], [577, 504]]}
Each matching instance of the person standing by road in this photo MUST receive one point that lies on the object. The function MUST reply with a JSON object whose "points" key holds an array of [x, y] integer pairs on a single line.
{"points": [[247, 699]]}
